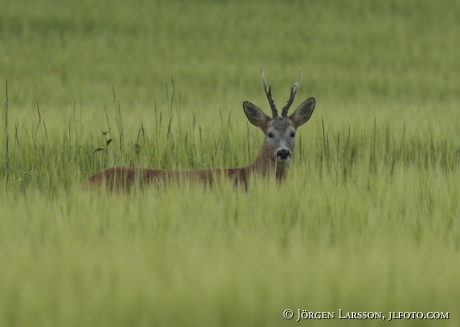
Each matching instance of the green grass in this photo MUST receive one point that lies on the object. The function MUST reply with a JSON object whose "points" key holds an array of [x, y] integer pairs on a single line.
{"points": [[367, 219]]}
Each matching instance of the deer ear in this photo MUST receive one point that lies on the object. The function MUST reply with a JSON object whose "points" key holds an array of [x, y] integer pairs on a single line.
{"points": [[255, 115], [303, 112]]}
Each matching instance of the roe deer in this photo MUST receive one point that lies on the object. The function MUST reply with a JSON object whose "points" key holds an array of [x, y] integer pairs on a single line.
{"points": [[273, 158]]}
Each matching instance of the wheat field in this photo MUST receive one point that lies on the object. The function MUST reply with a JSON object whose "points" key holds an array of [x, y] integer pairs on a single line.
{"points": [[365, 227]]}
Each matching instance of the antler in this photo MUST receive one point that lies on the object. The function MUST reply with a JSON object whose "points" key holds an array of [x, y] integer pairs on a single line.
{"points": [[291, 98], [268, 93]]}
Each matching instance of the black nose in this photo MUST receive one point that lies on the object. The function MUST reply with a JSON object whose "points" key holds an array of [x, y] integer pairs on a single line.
{"points": [[283, 154]]}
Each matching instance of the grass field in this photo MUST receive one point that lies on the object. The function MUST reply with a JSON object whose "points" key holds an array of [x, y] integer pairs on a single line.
{"points": [[366, 221]]}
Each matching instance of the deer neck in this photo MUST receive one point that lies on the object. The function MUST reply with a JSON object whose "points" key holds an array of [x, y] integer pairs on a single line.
{"points": [[266, 164]]}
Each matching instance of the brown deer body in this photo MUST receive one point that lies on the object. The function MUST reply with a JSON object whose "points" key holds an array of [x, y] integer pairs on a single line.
{"points": [[273, 158]]}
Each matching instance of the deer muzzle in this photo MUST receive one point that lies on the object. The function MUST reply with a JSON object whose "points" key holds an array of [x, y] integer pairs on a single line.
{"points": [[283, 155]]}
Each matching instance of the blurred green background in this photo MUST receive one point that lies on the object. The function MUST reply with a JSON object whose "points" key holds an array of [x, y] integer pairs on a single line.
{"points": [[56, 51]]}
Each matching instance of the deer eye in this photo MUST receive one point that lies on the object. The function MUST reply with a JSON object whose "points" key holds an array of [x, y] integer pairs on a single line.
{"points": [[292, 134], [270, 134]]}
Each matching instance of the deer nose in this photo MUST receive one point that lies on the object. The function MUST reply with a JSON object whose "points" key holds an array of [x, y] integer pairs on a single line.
{"points": [[283, 154]]}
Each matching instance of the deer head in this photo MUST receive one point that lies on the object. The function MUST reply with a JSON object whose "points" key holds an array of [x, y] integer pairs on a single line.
{"points": [[280, 131]]}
